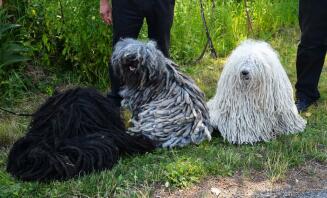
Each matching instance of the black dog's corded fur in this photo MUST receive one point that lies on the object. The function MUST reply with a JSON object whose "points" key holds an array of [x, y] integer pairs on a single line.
{"points": [[73, 133]]}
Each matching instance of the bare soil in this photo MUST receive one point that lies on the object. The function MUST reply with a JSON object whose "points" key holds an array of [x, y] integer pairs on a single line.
{"points": [[310, 178]]}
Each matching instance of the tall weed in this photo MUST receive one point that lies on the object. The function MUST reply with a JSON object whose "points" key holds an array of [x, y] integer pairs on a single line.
{"points": [[11, 53]]}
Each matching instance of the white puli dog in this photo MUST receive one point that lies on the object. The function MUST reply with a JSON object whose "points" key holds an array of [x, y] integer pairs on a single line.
{"points": [[254, 98]]}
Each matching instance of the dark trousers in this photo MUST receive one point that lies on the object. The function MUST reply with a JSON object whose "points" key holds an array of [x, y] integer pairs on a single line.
{"points": [[128, 17], [312, 48]]}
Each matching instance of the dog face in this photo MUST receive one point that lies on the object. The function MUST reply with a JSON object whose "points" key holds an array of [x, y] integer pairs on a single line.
{"points": [[138, 63], [249, 71]]}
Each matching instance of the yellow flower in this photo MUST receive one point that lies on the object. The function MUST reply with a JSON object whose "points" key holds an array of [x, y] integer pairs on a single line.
{"points": [[33, 12]]}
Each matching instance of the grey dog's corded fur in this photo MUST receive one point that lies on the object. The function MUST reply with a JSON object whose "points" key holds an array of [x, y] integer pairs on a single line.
{"points": [[167, 106]]}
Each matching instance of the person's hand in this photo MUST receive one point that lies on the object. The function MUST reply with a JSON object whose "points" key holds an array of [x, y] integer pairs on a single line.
{"points": [[106, 11]]}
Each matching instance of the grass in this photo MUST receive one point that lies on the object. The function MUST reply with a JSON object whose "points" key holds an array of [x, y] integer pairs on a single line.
{"points": [[10, 130], [139, 176]]}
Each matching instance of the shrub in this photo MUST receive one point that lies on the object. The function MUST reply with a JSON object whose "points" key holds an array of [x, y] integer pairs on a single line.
{"points": [[69, 35]]}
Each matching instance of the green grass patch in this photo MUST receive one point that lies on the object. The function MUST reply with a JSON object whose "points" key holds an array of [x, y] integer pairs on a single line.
{"points": [[10, 130]]}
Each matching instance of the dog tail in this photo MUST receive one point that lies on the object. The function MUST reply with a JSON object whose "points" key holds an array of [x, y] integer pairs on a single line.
{"points": [[73, 133]]}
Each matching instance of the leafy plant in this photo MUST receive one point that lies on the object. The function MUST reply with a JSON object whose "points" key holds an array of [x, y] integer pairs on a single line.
{"points": [[10, 50], [11, 53], [69, 36]]}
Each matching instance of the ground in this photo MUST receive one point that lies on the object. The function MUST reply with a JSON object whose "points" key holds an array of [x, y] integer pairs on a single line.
{"points": [[311, 177], [288, 164]]}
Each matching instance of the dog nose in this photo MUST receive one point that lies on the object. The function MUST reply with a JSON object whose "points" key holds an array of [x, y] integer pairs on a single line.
{"points": [[244, 72]]}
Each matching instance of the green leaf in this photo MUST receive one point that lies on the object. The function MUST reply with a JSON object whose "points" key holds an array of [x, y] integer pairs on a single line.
{"points": [[6, 27], [13, 59]]}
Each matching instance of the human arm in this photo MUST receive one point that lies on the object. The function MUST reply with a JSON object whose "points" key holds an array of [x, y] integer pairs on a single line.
{"points": [[106, 11]]}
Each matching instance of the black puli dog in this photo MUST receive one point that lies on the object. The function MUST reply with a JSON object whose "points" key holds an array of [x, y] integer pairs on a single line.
{"points": [[73, 133]]}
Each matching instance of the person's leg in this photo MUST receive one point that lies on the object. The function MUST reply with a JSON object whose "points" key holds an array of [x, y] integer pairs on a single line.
{"points": [[311, 50], [309, 63], [127, 18], [159, 17], [127, 23]]}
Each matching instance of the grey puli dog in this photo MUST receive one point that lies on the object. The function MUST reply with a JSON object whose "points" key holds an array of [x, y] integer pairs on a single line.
{"points": [[166, 105]]}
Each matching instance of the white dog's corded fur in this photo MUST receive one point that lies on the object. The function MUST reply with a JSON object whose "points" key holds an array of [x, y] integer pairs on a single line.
{"points": [[166, 105], [254, 98]]}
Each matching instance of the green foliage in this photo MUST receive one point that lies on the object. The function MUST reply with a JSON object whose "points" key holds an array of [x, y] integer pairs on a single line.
{"points": [[227, 24], [10, 49], [11, 53], [16, 8], [68, 38], [69, 35]]}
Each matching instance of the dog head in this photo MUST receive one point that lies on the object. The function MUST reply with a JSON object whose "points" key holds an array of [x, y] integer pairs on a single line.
{"points": [[138, 63], [251, 64]]}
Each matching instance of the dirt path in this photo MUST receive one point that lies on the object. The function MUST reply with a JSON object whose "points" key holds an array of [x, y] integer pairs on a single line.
{"points": [[307, 181]]}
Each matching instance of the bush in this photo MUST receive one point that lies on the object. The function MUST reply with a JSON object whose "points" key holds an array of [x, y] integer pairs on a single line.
{"points": [[69, 35]]}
